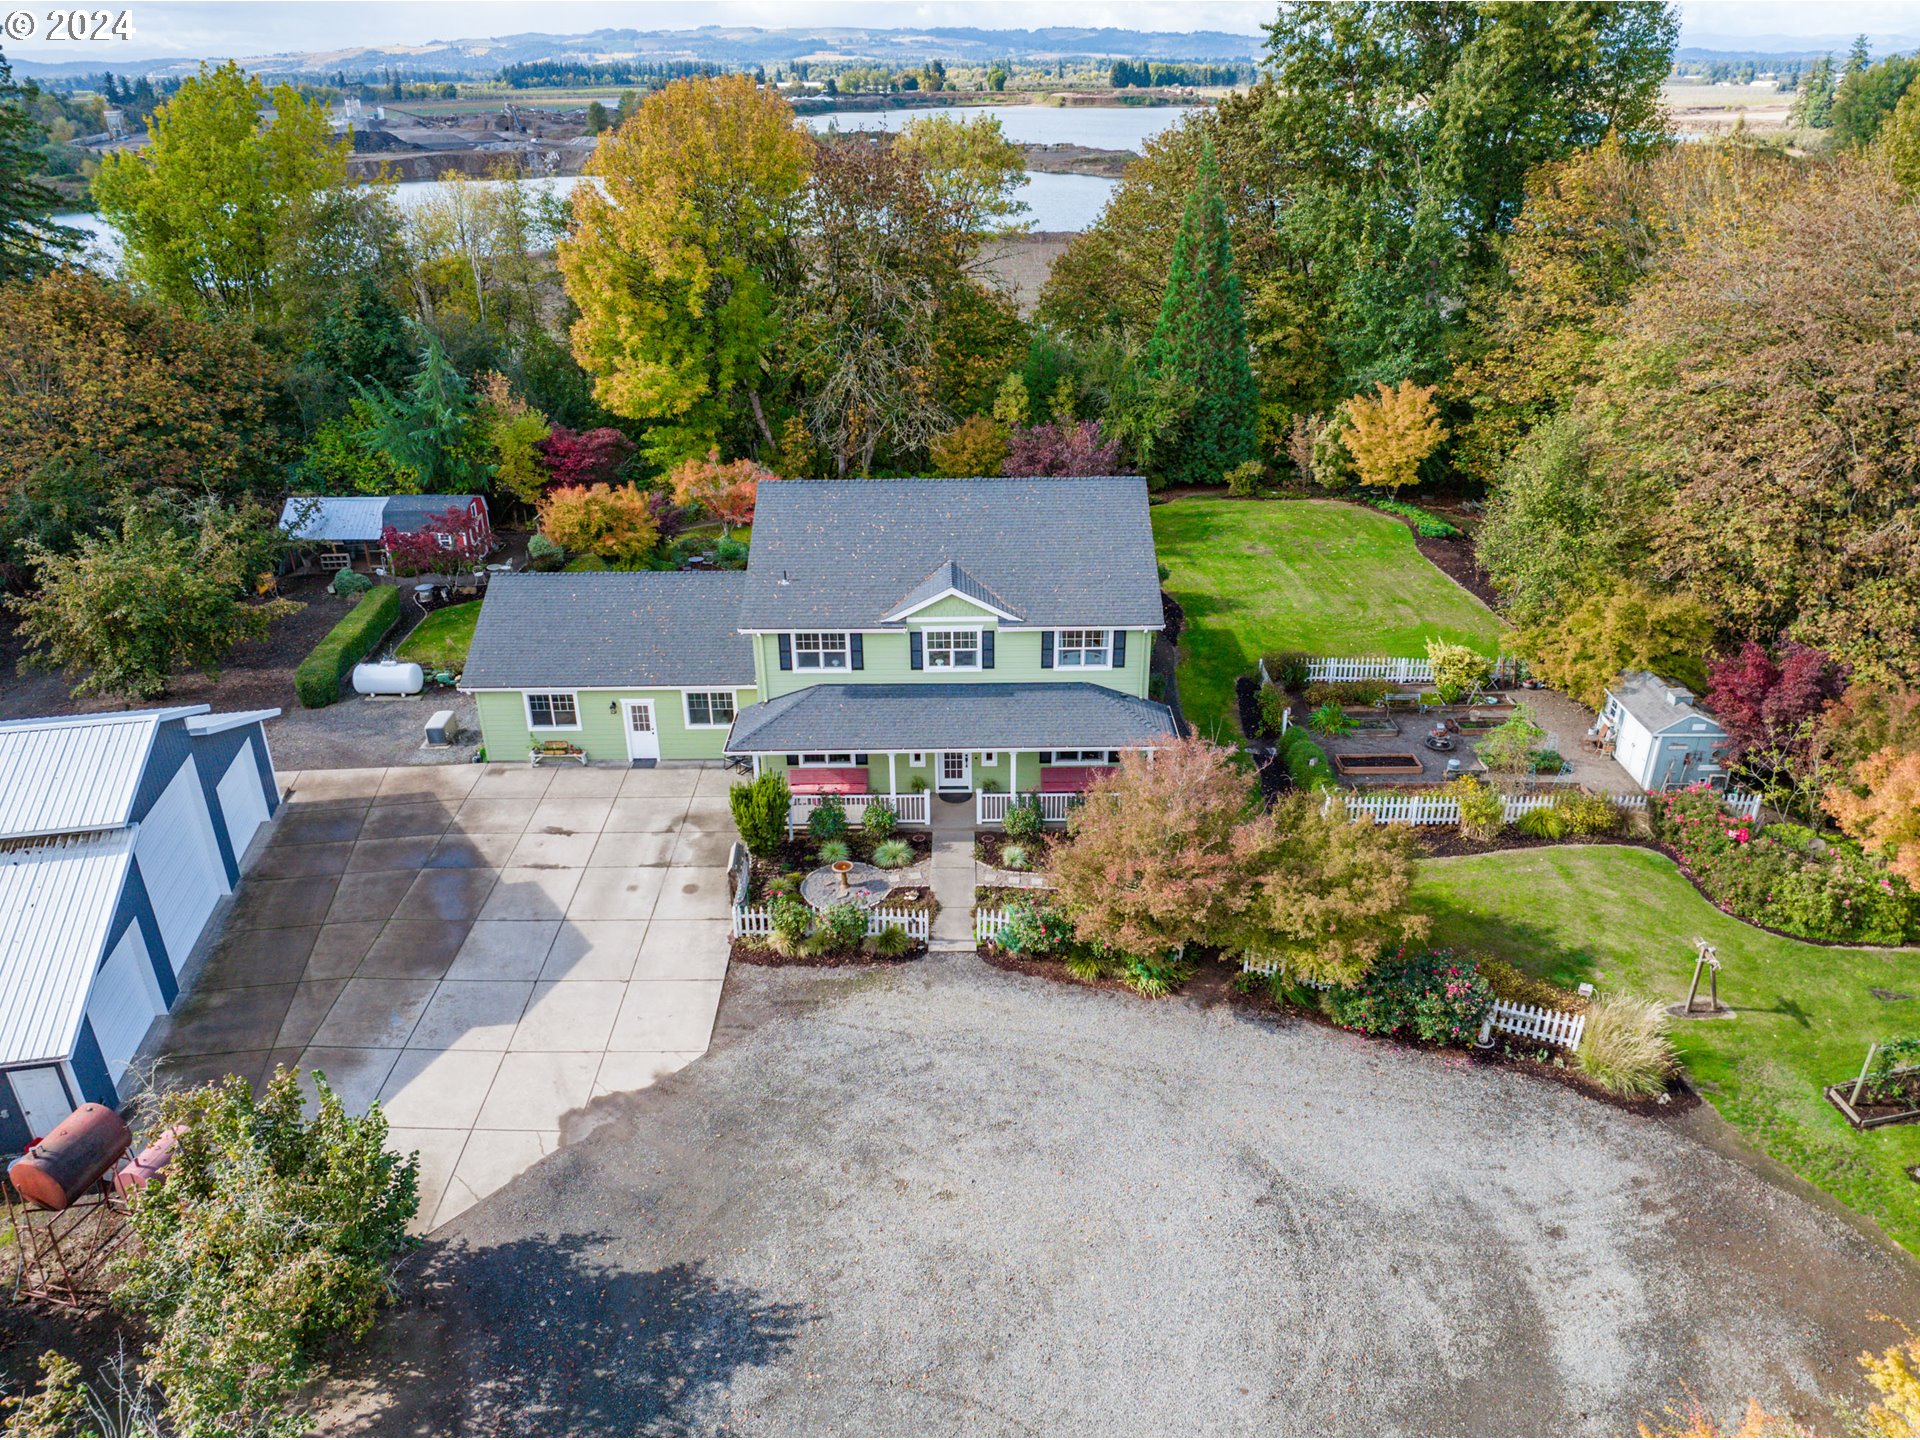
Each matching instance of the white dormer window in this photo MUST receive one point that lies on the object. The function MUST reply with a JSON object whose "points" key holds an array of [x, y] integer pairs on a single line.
{"points": [[953, 649], [1084, 649], [813, 650]]}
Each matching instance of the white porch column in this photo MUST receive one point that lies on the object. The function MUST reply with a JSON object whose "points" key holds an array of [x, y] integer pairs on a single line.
{"points": [[756, 766], [893, 777], [1013, 773]]}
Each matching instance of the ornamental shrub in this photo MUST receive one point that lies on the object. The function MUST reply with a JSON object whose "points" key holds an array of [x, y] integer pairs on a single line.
{"points": [[1627, 1047], [543, 554], [892, 854], [1511, 748], [316, 680], [845, 926], [792, 918], [760, 809], [1346, 692], [1425, 522], [1432, 995], [1288, 668], [1549, 822], [1034, 929], [347, 583], [1458, 670], [270, 1237], [1483, 809], [1154, 978], [1025, 822], [879, 821], [1245, 479], [1839, 895], [1307, 764], [1330, 719], [828, 820], [1273, 705], [1590, 814]]}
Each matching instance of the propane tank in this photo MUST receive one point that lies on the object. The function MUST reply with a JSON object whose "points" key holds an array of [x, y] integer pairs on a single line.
{"points": [[64, 1166], [141, 1170]]}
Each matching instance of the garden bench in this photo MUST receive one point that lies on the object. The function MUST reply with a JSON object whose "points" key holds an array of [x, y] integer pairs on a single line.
{"points": [[555, 750]]}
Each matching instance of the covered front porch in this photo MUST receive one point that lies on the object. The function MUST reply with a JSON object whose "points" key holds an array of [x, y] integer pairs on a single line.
{"points": [[908, 744]]}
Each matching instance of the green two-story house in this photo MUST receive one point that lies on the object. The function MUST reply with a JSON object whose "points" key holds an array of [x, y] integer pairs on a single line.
{"points": [[967, 639]]}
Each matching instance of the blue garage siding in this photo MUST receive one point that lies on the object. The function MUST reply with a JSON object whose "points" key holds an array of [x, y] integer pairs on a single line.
{"points": [[136, 908], [90, 1069], [14, 1134], [172, 748]]}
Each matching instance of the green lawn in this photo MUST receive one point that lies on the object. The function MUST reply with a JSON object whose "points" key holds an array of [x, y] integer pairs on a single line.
{"points": [[1804, 1015], [1314, 575], [441, 641]]}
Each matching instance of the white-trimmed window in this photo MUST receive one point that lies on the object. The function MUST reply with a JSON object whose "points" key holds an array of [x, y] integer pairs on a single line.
{"points": [[819, 650], [1085, 757], [709, 709], [552, 710], [1084, 649], [952, 649], [829, 758]]}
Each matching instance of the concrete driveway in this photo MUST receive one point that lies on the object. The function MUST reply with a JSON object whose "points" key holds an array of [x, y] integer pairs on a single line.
{"points": [[937, 1198], [482, 949]]}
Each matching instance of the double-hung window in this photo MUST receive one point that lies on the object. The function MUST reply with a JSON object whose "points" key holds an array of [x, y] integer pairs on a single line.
{"points": [[1083, 757], [1084, 649], [709, 709], [552, 710], [819, 650], [953, 649]]}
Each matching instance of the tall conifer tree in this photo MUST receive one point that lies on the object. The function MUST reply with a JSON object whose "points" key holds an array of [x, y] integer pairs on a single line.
{"points": [[1200, 342], [30, 243]]}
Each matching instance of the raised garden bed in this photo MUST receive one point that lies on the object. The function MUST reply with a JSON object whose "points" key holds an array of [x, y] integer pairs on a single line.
{"points": [[1890, 1100], [1379, 762], [1371, 721]]}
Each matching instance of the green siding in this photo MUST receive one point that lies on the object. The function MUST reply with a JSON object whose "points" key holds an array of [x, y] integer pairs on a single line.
{"points": [[503, 721], [985, 777], [1016, 659], [951, 608]]}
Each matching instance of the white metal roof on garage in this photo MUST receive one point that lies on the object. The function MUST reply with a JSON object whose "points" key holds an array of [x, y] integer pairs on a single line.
{"points": [[75, 772], [57, 898]]}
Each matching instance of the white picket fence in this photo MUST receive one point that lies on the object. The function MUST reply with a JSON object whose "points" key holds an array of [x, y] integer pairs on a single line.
{"points": [[758, 920], [990, 807], [1388, 808], [987, 925], [1396, 670], [1530, 1022], [912, 808]]}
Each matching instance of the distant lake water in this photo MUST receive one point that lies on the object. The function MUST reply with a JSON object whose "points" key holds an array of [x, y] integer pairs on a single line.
{"points": [[1055, 202]]}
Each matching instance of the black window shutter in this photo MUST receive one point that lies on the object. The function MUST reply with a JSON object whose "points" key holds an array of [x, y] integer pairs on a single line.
{"points": [[793, 761], [786, 652], [859, 759], [913, 650], [1119, 648], [986, 649], [1046, 757], [1046, 649], [857, 651]]}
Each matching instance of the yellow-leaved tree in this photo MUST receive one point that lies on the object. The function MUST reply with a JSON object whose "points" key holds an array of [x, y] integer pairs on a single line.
{"points": [[1392, 432], [679, 257]]}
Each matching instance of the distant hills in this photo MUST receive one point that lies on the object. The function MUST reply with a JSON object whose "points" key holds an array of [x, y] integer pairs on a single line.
{"points": [[720, 44]]}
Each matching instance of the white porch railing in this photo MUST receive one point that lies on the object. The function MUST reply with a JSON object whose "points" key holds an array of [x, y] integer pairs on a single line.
{"points": [[758, 920], [908, 809], [990, 806]]}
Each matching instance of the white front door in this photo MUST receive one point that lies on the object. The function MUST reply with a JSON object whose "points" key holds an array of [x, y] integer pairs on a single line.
{"points": [[956, 770], [643, 739], [42, 1097]]}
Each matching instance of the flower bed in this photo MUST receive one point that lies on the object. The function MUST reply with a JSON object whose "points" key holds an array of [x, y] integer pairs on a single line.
{"points": [[1794, 883]]}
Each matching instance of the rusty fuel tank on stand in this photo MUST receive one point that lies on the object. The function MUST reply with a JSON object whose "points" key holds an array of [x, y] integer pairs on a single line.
{"points": [[66, 1164]]}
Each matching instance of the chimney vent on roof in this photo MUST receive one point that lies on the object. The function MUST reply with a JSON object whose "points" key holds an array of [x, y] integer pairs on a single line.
{"points": [[783, 578]]}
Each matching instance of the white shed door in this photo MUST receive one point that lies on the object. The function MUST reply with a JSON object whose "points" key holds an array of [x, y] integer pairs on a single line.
{"points": [[125, 1000], [42, 1097], [180, 864], [242, 802]]}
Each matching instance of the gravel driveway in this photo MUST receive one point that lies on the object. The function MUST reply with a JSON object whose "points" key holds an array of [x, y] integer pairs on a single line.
{"points": [[938, 1197]]}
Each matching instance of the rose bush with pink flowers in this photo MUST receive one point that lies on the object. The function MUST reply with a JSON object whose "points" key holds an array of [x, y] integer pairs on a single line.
{"points": [[1437, 996], [1785, 877]]}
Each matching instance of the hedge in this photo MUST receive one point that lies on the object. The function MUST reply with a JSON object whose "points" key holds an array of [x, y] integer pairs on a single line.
{"points": [[317, 678], [1299, 751]]}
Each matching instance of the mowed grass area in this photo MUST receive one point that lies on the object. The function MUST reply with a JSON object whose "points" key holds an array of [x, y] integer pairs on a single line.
{"points": [[441, 641], [1256, 576], [1625, 919]]}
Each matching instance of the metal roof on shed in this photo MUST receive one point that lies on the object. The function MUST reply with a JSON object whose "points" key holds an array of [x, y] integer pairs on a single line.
{"points": [[77, 772], [57, 898], [334, 517]]}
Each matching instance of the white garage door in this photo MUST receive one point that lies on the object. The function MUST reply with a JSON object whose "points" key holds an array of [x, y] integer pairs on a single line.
{"points": [[243, 803], [180, 864], [125, 999]]}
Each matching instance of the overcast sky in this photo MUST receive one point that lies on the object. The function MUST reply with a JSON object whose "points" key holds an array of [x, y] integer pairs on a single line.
{"points": [[254, 27]]}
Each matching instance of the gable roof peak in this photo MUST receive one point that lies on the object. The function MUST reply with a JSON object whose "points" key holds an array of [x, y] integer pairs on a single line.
{"points": [[948, 578]]}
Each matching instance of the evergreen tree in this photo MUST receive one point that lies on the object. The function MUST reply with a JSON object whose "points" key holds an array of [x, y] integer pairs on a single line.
{"points": [[30, 244], [1813, 105], [1201, 341]]}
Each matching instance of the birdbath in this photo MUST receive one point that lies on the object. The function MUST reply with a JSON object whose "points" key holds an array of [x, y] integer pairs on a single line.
{"points": [[844, 882]]}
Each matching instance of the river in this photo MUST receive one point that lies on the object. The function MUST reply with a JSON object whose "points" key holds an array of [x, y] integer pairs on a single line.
{"points": [[1054, 202]]}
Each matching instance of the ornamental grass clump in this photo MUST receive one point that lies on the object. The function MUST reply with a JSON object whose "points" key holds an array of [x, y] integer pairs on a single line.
{"points": [[893, 854], [1627, 1048], [832, 852]]}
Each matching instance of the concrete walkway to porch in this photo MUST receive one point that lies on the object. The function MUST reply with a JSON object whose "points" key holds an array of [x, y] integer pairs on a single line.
{"points": [[953, 874]]}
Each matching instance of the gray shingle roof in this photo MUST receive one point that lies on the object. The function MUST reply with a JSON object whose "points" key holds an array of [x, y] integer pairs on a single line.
{"points": [[1643, 695], [1068, 715], [610, 629], [1055, 552]]}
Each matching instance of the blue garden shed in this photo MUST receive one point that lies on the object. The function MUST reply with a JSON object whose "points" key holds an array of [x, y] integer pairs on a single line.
{"points": [[119, 836]]}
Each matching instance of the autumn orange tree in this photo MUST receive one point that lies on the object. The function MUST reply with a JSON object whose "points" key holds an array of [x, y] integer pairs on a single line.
{"points": [[614, 522], [728, 492], [1881, 808], [1390, 433]]}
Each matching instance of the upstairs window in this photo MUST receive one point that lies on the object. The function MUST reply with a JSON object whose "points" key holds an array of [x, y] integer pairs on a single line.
{"points": [[819, 650], [1085, 649], [552, 710], [953, 649]]}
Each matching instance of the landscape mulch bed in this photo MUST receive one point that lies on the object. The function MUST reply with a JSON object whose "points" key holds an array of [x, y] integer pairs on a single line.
{"points": [[747, 952], [1444, 840], [1456, 560], [988, 845], [1272, 774], [801, 854], [1504, 1055]]}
